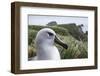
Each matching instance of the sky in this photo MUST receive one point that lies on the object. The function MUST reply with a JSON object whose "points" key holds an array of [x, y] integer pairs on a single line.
{"points": [[43, 20]]}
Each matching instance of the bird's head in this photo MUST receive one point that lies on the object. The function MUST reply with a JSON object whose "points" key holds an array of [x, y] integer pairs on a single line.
{"points": [[47, 36]]}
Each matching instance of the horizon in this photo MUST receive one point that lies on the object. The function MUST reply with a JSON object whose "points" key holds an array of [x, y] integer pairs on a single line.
{"points": [[43, 20]]}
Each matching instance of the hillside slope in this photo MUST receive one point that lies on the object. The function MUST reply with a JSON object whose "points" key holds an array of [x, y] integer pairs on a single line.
{"points": [[69, 33]]}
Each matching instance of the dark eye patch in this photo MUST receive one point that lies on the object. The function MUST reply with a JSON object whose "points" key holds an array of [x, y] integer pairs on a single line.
{"points": [[50, 34]]}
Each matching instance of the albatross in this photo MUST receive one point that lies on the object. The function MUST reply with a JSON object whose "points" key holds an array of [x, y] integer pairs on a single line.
{"points": [[45, 48]]}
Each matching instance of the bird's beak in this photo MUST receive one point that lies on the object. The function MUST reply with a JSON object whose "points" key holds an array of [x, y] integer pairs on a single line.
{"points": [[58, 41]]}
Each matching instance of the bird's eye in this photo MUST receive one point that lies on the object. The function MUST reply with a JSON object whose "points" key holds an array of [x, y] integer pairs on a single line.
{"points": [[50, 34]]}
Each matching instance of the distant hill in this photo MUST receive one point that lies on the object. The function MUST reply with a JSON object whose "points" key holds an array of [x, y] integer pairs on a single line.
{"points": [[52, 23]]}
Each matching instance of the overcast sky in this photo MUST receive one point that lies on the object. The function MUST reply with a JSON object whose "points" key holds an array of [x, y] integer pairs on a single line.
{"points": [[43, 20]]}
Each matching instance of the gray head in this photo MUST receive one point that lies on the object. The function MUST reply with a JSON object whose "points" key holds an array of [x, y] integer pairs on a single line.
{"points": [[47, 36]]}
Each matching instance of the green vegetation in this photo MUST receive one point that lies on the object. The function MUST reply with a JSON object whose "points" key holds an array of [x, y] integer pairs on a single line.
{"points": [[69, 33]]}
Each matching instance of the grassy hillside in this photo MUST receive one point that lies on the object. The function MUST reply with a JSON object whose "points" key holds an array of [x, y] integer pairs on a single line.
{"points": [[69, 33]]}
